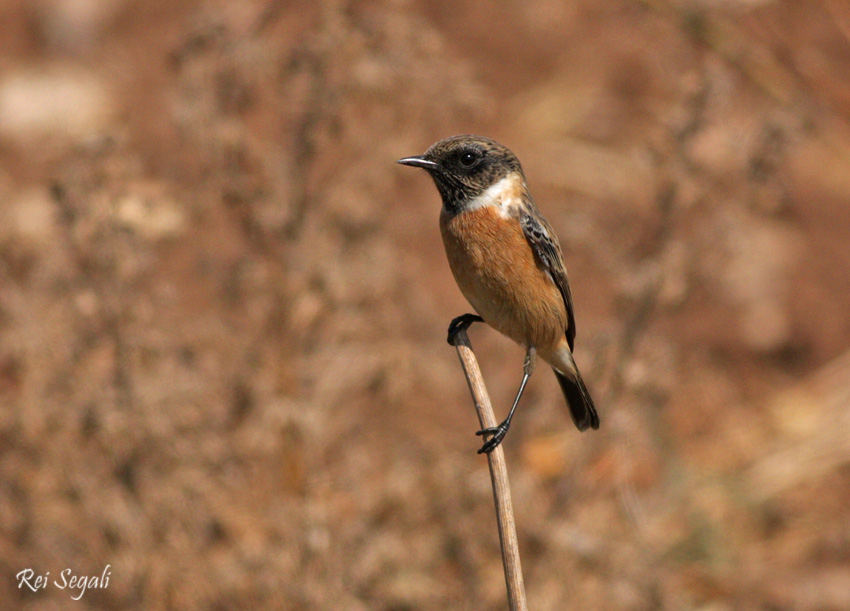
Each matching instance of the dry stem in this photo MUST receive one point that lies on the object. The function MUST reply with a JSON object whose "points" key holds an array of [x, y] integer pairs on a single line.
{"points": [[498, 476]]}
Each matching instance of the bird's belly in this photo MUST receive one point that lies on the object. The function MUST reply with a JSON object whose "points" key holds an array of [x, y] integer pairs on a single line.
{"points": [[496, 271]]}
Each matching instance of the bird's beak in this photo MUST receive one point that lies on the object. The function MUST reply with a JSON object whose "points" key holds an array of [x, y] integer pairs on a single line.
{"points": [[418, 162]]}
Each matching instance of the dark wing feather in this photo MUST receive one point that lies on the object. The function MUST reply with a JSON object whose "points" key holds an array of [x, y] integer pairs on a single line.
{"points": [[546, 249]]}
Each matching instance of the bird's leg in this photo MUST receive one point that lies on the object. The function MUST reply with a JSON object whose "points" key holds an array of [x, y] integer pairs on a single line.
{"points": [[461, 323], [498, 432]]}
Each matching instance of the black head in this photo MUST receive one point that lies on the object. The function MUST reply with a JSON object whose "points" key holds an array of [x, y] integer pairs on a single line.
{"points": [[463, 167]]}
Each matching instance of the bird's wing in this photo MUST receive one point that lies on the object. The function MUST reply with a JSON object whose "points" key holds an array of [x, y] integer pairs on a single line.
{"points": [[546, 249]]}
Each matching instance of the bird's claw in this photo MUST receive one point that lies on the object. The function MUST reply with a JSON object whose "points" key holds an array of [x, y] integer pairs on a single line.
{"points": [[461, 323], [498, 434]]}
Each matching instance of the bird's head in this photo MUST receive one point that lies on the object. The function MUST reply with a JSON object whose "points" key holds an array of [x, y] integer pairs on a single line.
{"points": [[464, 167]]}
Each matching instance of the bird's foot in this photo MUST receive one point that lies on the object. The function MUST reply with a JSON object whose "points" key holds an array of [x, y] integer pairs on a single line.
{"points": [[498, 434], [461, 323]]}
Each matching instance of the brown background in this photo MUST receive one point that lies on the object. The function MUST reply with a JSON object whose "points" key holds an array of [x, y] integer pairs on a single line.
{"points": [[223, 307]]}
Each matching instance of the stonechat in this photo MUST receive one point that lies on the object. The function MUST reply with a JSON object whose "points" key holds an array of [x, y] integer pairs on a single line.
{"points": [[507, 262]]}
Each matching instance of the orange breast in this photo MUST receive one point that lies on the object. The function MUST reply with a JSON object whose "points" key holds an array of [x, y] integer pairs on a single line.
{"points": [[496, 271]]}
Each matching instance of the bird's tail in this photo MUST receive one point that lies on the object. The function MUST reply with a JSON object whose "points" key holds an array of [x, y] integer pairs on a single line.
{"points": [[578, 400]]}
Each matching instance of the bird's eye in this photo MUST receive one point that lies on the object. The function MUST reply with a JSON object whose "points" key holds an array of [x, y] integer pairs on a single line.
{"points": [[468, 159]]}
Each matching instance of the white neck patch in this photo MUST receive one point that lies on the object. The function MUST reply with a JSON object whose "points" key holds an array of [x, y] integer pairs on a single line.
{"points": [[504, 195]]}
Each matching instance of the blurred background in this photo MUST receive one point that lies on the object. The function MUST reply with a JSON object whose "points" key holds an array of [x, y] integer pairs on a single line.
{"points": [[223, 367]]}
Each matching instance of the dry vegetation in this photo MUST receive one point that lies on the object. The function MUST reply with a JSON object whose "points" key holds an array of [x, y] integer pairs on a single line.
{"points": [[222, 306]]}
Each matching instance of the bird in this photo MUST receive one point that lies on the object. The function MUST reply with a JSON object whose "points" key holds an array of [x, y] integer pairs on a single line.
{"points": [[507, 262]]}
